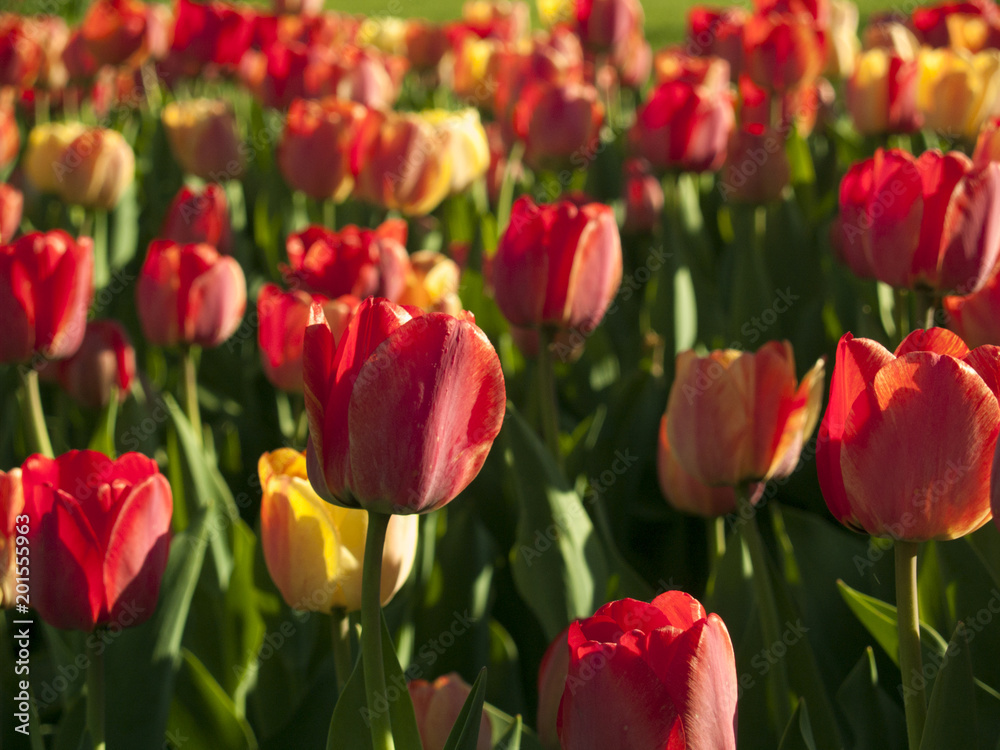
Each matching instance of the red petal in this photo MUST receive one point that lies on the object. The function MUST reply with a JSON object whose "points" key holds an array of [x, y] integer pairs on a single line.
{"points": [[936, 340]]}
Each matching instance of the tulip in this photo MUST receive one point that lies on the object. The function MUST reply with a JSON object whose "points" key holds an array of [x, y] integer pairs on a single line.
{"points": [[906, 445], [437, 706], [757, 168], [355, 261], [105, 529], [203, 138], [507, 20], [115, 30], [932, 24], [988, 143], [313, 549], [211, 32], [368, 77], [199, 217], [320, 147], [403, 410], [551, 684], [10, 136], [105, 360], [403, 168], [465, 67], [717, 32], [81, 67], [46, 282], [818, 11], [607, 24], [96, 169], [881, 94], [557, 265], [559, 124], [683, 126], [462, 135], [297, 7], [189, 294], [956, 91], [782, 52], [432, 284], [843, 46], [643, 198], [921, 222], [888, 34], [51, 34], [735, 417], [386, 34], [21, 56], [11, 206], [47, 143], [675, 64], [643, 675], [286, 72], [283, 317], [976, 317], [11, 507], [426, 44]]}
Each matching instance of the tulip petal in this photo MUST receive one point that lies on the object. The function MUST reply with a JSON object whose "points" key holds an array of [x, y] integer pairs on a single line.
{"points": [[423, 414], [936, 340], [939, 174], [17, 310], [895, 208], [683, 491], [216, 303], [596, 272], [985, 360], [970, 244], [681, 609]]}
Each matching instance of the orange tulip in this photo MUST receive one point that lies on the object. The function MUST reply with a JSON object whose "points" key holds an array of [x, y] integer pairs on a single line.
{"points": [[96, 169], [735, 417], [783, 51], [11, 507], [203, 138], [11, 206], [437, 706]]}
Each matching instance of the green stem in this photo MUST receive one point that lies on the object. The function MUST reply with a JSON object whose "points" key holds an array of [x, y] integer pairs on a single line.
{"points": [[102, 261], [506, 199], [38, 433], [340, 634], [330, 214], [190, 373], [716, 549], [547, 394], [371, 631], [910, 660], [95, 697], [925, 307], [767, 607]]}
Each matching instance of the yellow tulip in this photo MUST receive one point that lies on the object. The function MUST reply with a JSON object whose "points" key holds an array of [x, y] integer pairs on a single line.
{"points": [[313, 549], [46, 145], [432, 283], [463, 137], [957, 91]]}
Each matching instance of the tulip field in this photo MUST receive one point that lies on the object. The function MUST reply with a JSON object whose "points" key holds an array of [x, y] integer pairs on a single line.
{"points": [[471, 376]]}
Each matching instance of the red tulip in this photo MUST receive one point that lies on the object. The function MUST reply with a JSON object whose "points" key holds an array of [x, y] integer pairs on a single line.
{"points": [[931, 221], [11, 206], [10, 136], [881, 93], [717, 32], [559, 123], [355, 261], [976, 317], [115, 30], [212, 32], [46, 282], [21, 56], [437, 706], [204, 139], [657, 675], [683, 126], [426, 44], [402, 410], [783, 51], [906, 445], [676, 64], [199, 217], [643, 197], [320, 148], [283, 317], [558, 264], [104, 360], [931, 24], [105, 529], [81, 66], [11, 508], [189, 294], [284, 72], [607, 24], [757, 168]]}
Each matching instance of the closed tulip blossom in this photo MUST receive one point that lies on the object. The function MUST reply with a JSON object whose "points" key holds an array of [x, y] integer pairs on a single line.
{"points": [[957, 91], [879, 473], [104, 361], [189, 294], [559, 123], [46, 283], [462, 135], [643, 195], [783, 51], [557, 265], [717, 32], [736, 417], [921, 222], [313, 549], [11, 508], [117, 31], [203, 138], [212, 32], [21, 56], [105, 529], [881, 93], [11, 206], [437, 705], [10, 136], [95, 169], [644, 675], [757, 169], [403, 409]]}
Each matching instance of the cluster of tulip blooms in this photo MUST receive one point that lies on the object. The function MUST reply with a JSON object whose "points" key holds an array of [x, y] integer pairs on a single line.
{"points": [[394, 263]]}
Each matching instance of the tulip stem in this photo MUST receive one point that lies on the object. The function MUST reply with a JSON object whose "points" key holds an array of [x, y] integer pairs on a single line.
{"points": [[547, 399], [38, 433], [716, 549], [95, 697], [767, 607], [506, 199], [908, 623], [102, 261], [191, 392], [925, 307], [330, 214], [371, 632], [340, 633]]}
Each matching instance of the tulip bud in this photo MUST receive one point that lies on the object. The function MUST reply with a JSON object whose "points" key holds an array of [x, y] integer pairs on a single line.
{"points": [[931, 387], [11, 507], [313, 549], [437, 706], [426, 44], [558, 265], [608, 24], [719, 33], [683, 126], [643, 198], [783, 51], [433, 283], [199, 217], [189, 294], [11, 206], [43, 156], [20, 54], [560, 124], [402, 410], [115, 31], [882, 94], [297, 7], [736, 417], [105, 529], [203, 138], [212, 32], [757, 169], [662, 674], [500, 19], [105, 360], [956, 91], [46, 283], [461, 135], [96, 169]]}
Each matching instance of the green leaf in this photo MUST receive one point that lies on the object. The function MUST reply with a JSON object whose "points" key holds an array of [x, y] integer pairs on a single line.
{"points": [[103, 439], [951, 715], [203, 713], [558, 564], [464, 734], [798, 734], [503, 728], [875, 719], [511, 740]]}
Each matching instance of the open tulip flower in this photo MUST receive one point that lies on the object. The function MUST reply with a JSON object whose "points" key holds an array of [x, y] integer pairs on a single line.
{"points": [[402, 410], [876, 475], [105, 529]]}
